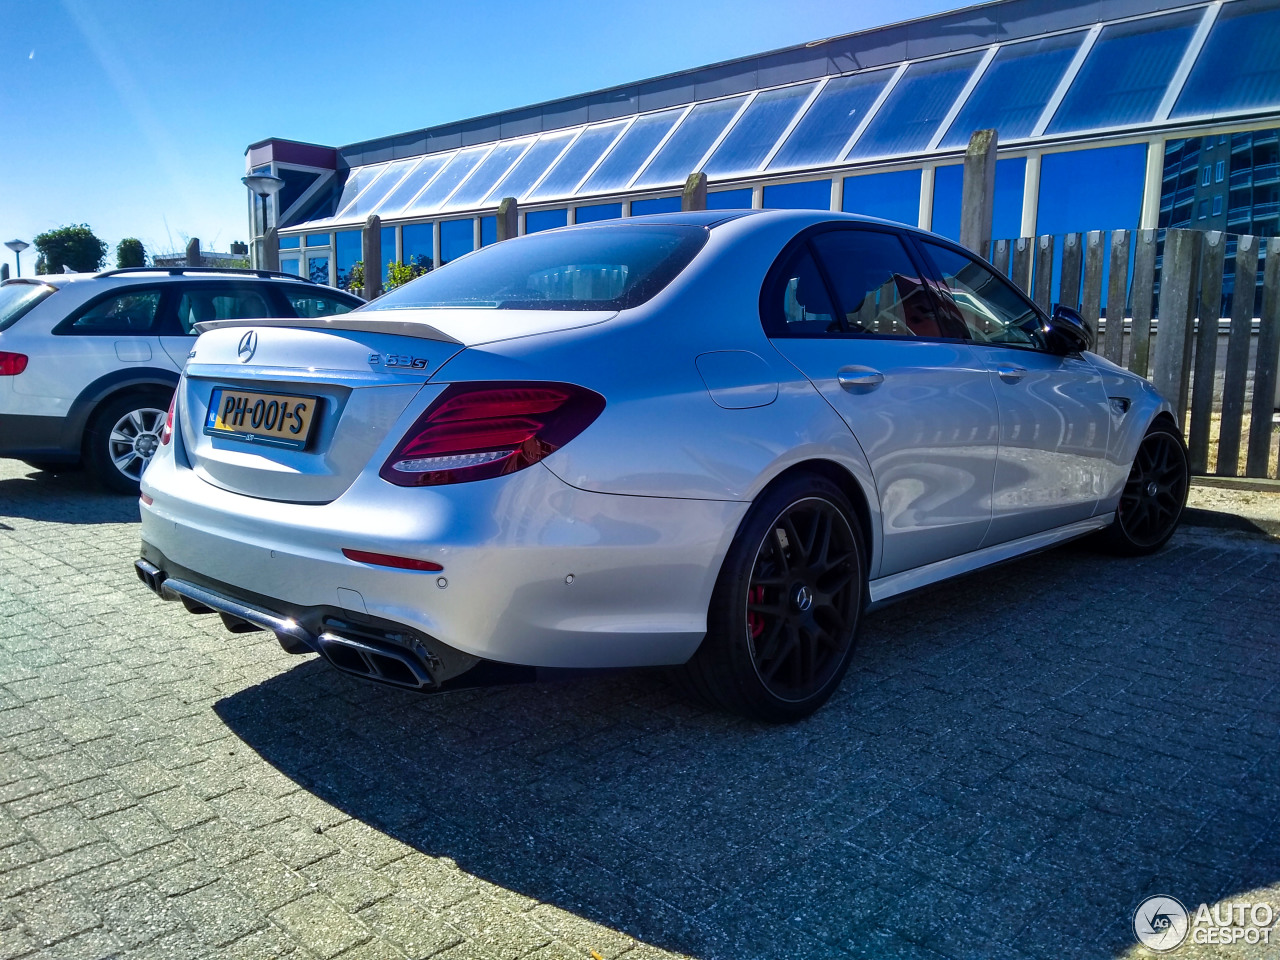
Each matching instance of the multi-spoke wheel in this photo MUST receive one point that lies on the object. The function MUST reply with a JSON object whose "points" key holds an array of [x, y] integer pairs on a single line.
{"points": [[1153, 496], [785, 611], [125, 435]]}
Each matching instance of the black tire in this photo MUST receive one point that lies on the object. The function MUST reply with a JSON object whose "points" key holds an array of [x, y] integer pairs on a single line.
{"points": [[123, 435], [785, 611], [1154, 496]]}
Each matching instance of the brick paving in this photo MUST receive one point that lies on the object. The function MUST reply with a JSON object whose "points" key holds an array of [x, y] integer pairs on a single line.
{"points": [[1012, 764]]}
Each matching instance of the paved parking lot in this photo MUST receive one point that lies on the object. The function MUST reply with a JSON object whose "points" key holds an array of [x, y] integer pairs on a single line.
{"points": [[1012, 764]]}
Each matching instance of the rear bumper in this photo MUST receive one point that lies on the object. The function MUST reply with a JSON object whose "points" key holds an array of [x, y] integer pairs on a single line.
{"points": [[536, 572], [43, 438]]}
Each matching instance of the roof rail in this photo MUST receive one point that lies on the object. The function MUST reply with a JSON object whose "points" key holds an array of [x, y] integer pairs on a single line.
{"points": [[178, 271]]}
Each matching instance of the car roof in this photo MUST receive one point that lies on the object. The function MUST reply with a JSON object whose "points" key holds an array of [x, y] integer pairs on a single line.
{"points": [[176, 274]]}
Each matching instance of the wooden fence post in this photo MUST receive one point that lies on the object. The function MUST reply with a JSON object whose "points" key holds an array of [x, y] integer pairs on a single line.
{"points": [[1091, 307], [1022, 261], [371, 256], [1144, 276], [194, 259], [1264, 370], [1212, 250], [1000, 251], [1238, 343], [1069, 287], [694, 196], [1044, 272], [508, 218], [1117, 296], [978, 192], [270, 248], [1172, 375]]}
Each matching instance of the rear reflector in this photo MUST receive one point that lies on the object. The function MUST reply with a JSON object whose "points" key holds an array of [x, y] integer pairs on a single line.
{"points": [[12, 364], [387, 560], [474, 431], [145, 499]]}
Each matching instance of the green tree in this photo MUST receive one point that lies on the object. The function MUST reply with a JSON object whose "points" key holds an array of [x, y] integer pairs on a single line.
{"points": [[75, 247], [401, 273], [130, 253]]}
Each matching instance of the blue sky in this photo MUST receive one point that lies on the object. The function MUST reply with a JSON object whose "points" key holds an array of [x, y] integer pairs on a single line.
{"points": [[133, 117]]}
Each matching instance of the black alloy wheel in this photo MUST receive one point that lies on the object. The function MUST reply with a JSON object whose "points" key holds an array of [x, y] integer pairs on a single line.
{"points": [[1154, 495], [785, 610], [803, 599]]}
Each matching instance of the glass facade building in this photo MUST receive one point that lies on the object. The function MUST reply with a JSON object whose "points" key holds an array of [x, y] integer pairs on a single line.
{"points": [[1110, 114]]}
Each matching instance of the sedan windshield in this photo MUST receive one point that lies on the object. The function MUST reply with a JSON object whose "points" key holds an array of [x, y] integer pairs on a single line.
{"points": [[612, 267]]}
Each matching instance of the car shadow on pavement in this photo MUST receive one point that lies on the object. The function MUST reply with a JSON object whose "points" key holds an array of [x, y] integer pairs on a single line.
{"points": [[64, 497], [1013, 763]]}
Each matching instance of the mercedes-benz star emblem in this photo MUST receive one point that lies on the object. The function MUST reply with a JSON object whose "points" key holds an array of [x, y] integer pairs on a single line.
{"points": [[248, 346]]}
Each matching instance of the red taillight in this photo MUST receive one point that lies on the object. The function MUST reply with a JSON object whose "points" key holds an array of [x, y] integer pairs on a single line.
{"points": [[167, 433], [475, 431], [12, 364], [390, 560]]}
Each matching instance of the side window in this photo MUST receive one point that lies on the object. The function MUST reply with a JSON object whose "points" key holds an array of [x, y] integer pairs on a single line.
{"points": [[129, 313], [801, 305], [992, 310], [310, 304], [224, 302], [877, 285]]}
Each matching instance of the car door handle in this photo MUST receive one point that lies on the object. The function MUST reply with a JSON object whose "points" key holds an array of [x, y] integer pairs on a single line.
{"points": [[859, 379], [1009, 373]]}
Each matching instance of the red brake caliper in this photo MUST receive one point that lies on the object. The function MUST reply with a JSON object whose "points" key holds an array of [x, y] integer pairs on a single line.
{"points": [[754, 622]]}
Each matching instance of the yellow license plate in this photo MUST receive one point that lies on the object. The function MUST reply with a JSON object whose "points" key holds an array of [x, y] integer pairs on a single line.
{"points": [[279, 419]]}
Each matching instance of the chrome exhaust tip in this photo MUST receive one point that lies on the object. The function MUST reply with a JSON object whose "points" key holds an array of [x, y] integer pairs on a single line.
{"points": [[387, 665]]}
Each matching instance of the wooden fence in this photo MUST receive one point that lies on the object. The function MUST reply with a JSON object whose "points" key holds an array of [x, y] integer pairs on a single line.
{"points": [[1220, 372]]}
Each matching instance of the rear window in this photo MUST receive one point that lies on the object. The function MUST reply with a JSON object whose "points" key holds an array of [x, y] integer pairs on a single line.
{"points": [[17, 298], [611, 267]]}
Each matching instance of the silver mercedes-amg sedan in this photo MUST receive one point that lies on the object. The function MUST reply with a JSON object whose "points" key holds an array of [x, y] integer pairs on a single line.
{"points": [[708, 440]]}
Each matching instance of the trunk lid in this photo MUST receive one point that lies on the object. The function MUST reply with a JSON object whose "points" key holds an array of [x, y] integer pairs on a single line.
{"points": [[353, 385]]}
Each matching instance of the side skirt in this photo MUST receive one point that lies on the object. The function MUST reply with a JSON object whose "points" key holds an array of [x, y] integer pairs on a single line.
{"points": [[886, 588]]}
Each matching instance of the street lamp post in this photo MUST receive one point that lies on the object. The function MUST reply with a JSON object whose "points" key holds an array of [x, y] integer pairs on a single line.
{"points": [[265, 186], [17, 246]]}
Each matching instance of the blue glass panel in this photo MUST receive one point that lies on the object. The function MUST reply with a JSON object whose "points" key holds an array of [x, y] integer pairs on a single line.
{"points": [[1125, 75], [457, 237], [1091, 189], [531, 166], [757, 130], [810, 195], [418, 178], [617, 169], [578, 159], [1014, 89], [346, 251], [389, 176], [909, 118], [478, 185], [488, 230], [829, 122], [891, 196], [728, 200], [317, 239], [1006, 219], [681, 155], [536, 220], [640, 208], [453, 174], [318, 269], [418, 240], [291, 265], [600, 211], [388, 249], [1238, 68], [290, 243]]}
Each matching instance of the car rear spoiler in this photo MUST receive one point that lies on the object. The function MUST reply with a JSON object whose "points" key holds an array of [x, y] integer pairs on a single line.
{"points": [[342, 321]]}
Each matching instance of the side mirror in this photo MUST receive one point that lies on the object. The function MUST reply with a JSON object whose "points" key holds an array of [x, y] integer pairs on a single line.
{"points": [[1068, 331]]}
